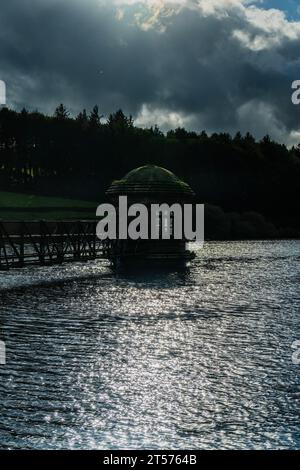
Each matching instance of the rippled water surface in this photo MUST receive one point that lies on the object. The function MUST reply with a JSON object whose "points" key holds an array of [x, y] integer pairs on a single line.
{"points": [[193, 360]]}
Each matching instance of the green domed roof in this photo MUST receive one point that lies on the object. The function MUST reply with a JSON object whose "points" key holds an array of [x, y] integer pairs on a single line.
{"points": [[150, 180]]}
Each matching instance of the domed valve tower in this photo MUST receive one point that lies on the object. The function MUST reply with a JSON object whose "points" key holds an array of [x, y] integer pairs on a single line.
{"points": [[150, 185]]}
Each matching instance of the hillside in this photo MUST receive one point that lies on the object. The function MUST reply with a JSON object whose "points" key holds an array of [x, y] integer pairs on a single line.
{"points": [[28, 206]]}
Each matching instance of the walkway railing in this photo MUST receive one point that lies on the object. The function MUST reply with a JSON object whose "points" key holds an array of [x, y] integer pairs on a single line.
{"points": [[49, 242]]}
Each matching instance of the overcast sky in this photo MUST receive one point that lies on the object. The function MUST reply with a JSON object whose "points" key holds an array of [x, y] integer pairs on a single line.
{"points": [[219, 65]]}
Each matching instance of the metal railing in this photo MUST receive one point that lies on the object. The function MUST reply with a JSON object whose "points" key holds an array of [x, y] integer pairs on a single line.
{"points": [[49, 242]]}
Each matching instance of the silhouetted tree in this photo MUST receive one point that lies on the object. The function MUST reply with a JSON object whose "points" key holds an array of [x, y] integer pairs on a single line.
{"points": [[61, 112], [82, 119], [95, 118], [118, 122]]}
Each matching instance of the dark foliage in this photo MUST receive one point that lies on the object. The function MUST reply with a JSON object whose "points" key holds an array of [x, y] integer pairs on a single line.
{"points": [[80, 157]]}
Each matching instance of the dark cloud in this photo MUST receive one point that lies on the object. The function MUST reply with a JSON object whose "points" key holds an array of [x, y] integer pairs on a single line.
{"points": [[185, 68]]}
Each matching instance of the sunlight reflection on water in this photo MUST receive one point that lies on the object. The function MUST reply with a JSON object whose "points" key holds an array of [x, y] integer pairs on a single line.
{"points": [[200, 359]]}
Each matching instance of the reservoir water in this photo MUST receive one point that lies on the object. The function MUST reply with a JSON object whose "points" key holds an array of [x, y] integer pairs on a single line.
{"points": [[200, 359]]}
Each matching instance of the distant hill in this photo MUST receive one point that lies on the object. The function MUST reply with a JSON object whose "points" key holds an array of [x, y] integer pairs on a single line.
{"points": [[78, 158]]}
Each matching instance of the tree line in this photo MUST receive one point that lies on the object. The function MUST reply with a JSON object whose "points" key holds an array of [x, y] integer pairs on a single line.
{"points": [[245, 183]]}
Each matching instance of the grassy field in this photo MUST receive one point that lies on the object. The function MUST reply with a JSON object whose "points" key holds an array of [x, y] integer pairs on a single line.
{"points": [[30, 207], [8, 199]]}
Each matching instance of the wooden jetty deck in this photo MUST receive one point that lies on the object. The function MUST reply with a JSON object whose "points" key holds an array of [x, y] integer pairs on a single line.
{"points": [[49, 242]]}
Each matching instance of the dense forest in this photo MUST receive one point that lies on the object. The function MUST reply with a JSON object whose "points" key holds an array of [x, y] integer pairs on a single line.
{"points": [[251, 188]]}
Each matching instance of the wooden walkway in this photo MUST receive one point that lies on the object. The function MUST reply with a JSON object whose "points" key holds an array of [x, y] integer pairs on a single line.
{"points": [[49, 242]]}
